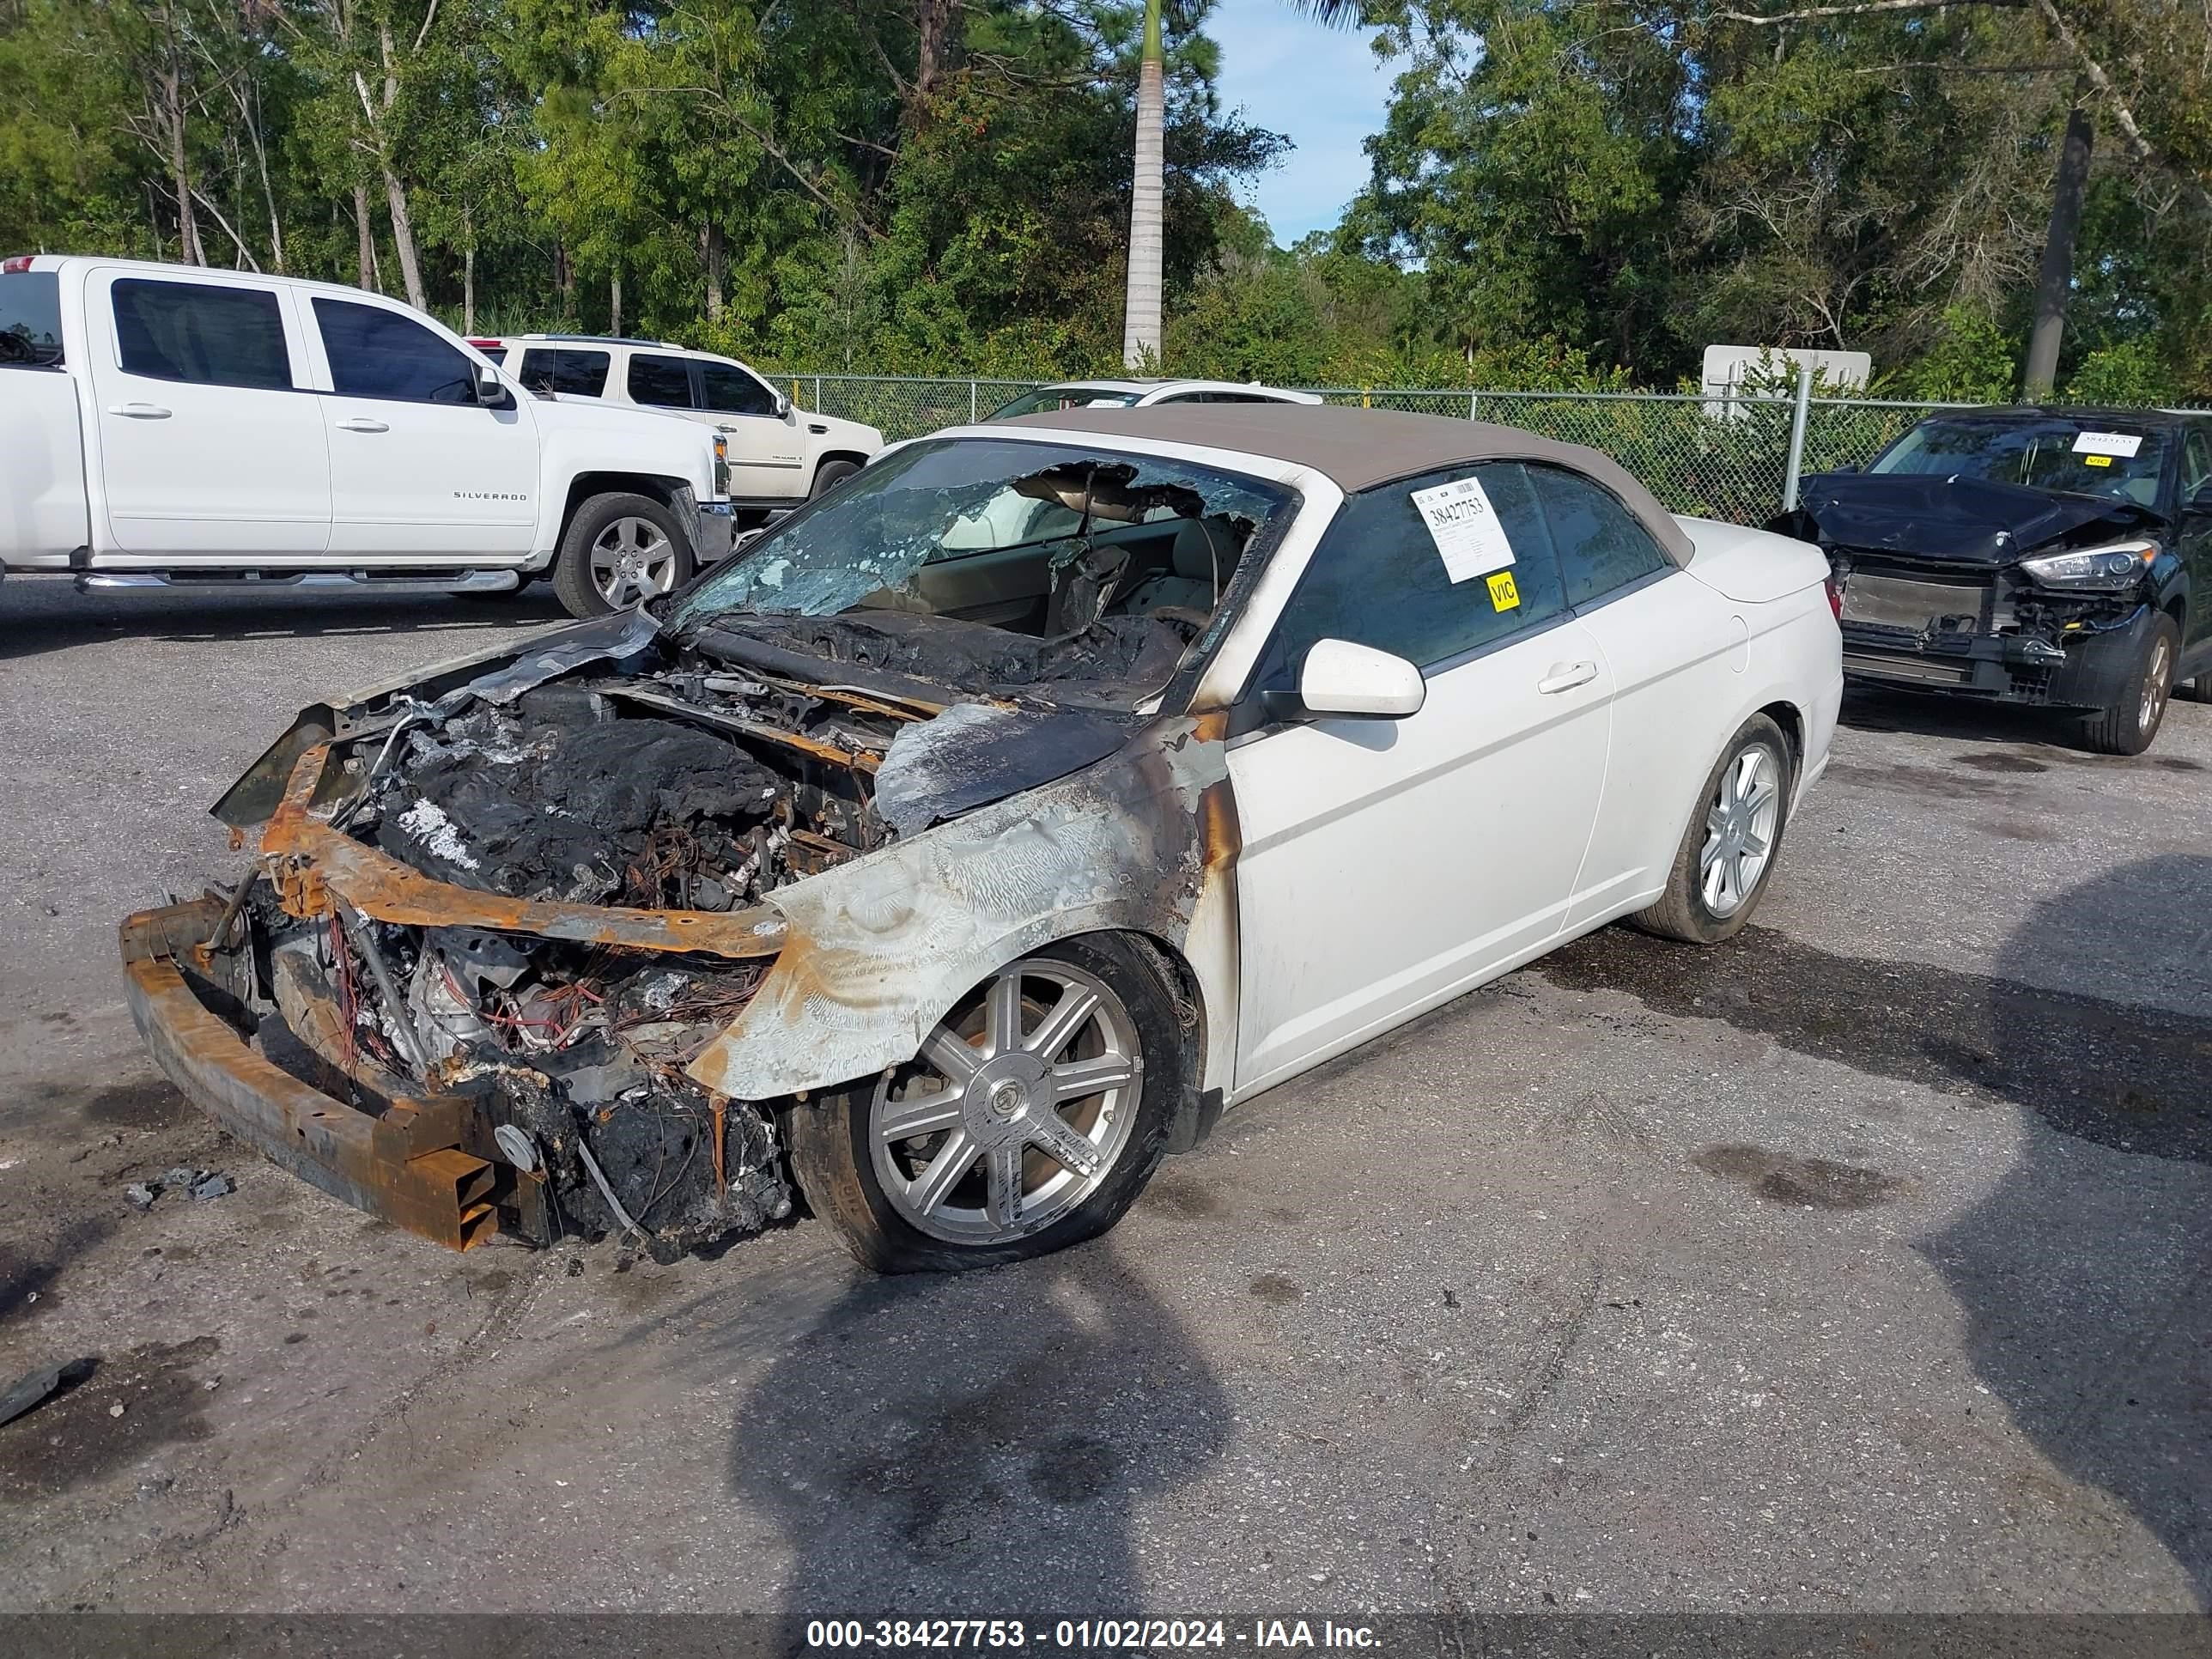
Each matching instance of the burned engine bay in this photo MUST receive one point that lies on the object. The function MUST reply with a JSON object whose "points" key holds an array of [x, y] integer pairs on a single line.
{"points": [[621, 769]]}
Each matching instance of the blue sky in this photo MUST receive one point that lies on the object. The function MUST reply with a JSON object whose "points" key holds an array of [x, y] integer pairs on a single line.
{"points": [[1322, 87]]}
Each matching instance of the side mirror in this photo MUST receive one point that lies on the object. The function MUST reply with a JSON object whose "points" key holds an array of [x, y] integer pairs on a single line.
{"points": [[1343, 681], [782, 407], [490, 389], [2200, 504]]}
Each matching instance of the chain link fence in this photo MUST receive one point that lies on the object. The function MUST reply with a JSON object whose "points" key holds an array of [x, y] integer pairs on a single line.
{"points": [[1721, 458]]}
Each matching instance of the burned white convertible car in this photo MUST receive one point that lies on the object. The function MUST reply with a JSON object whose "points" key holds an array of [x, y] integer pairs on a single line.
{"points": [[987, 827]]}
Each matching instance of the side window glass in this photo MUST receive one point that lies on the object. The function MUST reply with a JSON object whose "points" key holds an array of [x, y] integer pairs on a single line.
{"points": [[2195, 463], [380, 354], [661, 382], [565, 373], [30, 319], [1379, 577], [1600, 545], [733, 392], [207, 336]]}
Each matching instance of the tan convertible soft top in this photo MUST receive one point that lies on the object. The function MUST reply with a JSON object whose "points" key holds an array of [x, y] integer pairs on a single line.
{"points": [[1358, 448]]}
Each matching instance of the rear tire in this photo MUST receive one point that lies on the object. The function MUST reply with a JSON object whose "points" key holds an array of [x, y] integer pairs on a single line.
{"points": [[1736, 828], [619, 550], [936, 1201], [829, 474], [2128, 723]]}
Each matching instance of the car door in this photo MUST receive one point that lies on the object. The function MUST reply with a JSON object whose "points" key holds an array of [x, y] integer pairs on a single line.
{"points": [[767, 447], [1388, 865], [2194, 536], [1675, 653], [418, 466], [208, 449]]}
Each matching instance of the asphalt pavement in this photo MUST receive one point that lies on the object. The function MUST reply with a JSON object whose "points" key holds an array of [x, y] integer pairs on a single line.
{"points": [[1858, 1265]]}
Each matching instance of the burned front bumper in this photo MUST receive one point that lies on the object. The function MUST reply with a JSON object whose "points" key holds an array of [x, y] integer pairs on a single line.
{"points": [[420, 1165]]}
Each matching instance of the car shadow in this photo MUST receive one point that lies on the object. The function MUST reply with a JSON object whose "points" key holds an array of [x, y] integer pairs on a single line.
{"points": [[981, 1443], [42, 615], [2088, 1287], [2084, 1274], [1969, 719]]}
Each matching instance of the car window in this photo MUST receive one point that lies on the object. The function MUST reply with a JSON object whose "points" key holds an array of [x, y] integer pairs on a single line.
{"points": [[565, 372], [2087, 455], [30, 319], [202, 334], [375, 353], [1051, 399], [1379, 577], [733, 392], [496, 352], [661, 382], [1601, 546], [2195, 462]]}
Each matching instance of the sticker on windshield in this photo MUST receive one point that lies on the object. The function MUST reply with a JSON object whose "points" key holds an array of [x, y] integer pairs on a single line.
{"points": [[2122, 444], [1465, 528], [2096, 460], [1503, 596]]}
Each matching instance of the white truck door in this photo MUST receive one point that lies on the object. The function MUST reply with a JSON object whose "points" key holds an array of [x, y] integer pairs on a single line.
{"points": [[43, 515], [419, 469], [768, 450], [208, 452]]}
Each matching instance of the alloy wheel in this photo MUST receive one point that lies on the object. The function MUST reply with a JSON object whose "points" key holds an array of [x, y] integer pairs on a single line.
{"points": [[1015, 1112], [632, 560], [1740, 823], [2156, 685]]}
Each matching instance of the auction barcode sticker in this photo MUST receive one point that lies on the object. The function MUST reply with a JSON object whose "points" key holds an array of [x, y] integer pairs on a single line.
{"points": [[1465, 528], [2122, 444]]}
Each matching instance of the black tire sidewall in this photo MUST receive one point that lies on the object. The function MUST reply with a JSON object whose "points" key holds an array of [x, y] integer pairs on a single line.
{"points": [[572, 569], [1703, 926], [2116, 729], [832, 1157], [829, 474]]}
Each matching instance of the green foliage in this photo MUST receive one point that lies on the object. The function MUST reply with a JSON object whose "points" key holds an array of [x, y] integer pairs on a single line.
{"points": [[1570, 194], [1972, 361]]}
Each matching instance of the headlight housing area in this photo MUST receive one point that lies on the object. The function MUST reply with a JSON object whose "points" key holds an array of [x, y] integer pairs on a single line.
{"points": [[2093, 569], [721, 466]]}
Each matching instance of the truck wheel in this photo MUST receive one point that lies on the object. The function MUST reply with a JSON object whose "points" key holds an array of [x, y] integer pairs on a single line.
{"points": [[1031, 1118], [2126, 724], [1727, 854], [2197, 690], [829, 474], [620, 549]]}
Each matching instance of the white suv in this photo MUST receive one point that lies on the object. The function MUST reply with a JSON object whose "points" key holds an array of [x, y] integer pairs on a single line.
{"points": [[1143, 394], [780, 454]]}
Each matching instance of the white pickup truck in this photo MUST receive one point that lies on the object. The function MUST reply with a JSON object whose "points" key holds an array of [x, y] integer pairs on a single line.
{"points": [[162, 425]]}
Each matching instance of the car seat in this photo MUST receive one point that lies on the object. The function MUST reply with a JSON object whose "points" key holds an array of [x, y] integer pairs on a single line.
{"points": [[1201, 560]]}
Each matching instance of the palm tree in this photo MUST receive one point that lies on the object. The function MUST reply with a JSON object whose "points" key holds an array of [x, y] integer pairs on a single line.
{"points": [[1141, 325]]}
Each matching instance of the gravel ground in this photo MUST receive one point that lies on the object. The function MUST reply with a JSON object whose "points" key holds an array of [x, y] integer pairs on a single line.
{"points": [[1858, 1265]]}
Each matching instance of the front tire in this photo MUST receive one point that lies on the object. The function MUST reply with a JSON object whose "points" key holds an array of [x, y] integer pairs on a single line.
{"points": [[1728, 853], [619, 551], [1035, 1114], [2129, 721]]}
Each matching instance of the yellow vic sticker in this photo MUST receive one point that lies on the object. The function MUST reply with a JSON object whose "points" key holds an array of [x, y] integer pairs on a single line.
{"points": [[2097, 460], [1503, 596]]}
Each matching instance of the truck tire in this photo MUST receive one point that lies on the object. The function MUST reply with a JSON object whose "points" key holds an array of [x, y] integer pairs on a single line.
{"points": [[829, 474], [620, 548], [2136, 705]]}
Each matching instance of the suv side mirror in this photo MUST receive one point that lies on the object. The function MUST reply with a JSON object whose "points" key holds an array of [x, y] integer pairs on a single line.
{"points": [[1340, 680], [2200, 503], [782, 407]]}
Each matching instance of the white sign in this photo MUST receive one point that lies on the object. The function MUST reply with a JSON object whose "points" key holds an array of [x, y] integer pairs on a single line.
{"points": [[1465, 528], [2122, 444]]}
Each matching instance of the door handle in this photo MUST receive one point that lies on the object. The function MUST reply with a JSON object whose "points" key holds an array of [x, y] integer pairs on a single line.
{"points": [[139, 411], [362, 423], [1566, 676]]}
